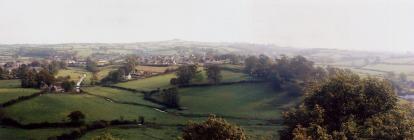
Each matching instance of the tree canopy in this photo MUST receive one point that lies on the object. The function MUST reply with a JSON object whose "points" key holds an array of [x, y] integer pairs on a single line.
{"points": [[351, 107], [213, 129]]}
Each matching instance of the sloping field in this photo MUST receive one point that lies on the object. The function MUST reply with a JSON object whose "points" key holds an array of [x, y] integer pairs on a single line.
{"points": [[242, 100], [120, 95], [34, 134], [7, 94], [162, 81], [55, 108], [9, 83]]}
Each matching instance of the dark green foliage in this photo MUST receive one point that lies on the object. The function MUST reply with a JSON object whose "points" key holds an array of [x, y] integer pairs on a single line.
{"points": [[114, 76], [185, 73], [32, 79], [76, 117], [170, 97], [130, 63], [213, 129], [347, 106], [68, 85], [213, 73], [91, 65]]}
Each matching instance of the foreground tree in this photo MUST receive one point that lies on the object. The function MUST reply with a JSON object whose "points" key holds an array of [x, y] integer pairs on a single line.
{"points": [[349, 107], [213, 129], [213, 73]]}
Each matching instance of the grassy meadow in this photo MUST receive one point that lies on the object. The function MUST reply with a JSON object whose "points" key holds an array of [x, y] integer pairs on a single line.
{"points": [[258, 101]]}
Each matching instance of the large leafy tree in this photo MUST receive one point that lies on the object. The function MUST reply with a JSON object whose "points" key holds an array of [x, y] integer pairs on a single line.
{"points": [[213, 129], [213, 73], [185, 73], [351, 107]]}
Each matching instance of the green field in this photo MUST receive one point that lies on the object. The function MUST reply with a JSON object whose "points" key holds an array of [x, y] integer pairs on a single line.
{"points": [[9, 83], [7, 94], [154, 69], [241, 100], [162, 81], [33, 134], [55, 108], [120, 95], [408, 69], [164, 133], [75, 74]]}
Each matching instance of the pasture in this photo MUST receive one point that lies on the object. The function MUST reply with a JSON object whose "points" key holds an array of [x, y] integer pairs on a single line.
{"points": [[75, 74], [119, 95], [151, 83], [257, 101], [7, 133], [9, 83], [7, 94], [56, 107]]}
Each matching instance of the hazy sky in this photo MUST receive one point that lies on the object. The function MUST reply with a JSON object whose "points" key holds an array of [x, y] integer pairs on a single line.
{"points": [[349, 24]]}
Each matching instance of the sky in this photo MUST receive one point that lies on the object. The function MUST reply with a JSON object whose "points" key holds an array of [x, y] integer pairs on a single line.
{"points": [[385, 25]]}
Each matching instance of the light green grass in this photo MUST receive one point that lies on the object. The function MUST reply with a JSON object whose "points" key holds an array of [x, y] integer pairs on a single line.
{"points": [[33, 134], [75, 74], [154, 69], [161, 81], [120, 95], [241, 100], [9, 83], [7, 94], [55, 108]]}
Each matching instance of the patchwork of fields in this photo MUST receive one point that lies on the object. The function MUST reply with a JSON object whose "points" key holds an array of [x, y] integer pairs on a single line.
{"points": [[255, 107]]}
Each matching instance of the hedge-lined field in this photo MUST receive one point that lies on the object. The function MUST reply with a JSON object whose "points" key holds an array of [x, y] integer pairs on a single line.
{"points": [[9, 83], [119, 95], [240, 100], [161, 81], [7, 94], [7, 133], [55, 108]]}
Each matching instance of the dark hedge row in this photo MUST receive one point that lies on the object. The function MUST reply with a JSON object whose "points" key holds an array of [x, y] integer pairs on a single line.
{"points": [[21, 99]]}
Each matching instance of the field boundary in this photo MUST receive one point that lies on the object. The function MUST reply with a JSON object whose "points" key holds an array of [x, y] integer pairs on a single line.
{"points": [[21, 99]]}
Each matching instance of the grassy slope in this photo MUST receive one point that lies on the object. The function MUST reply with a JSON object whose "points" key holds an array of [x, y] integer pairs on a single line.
{"points": [[9, 83], [55, 108], [162, 81], [10, 89], [119, 95], [34, 134], [7, 94], [75, 74], [242, 100]]}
